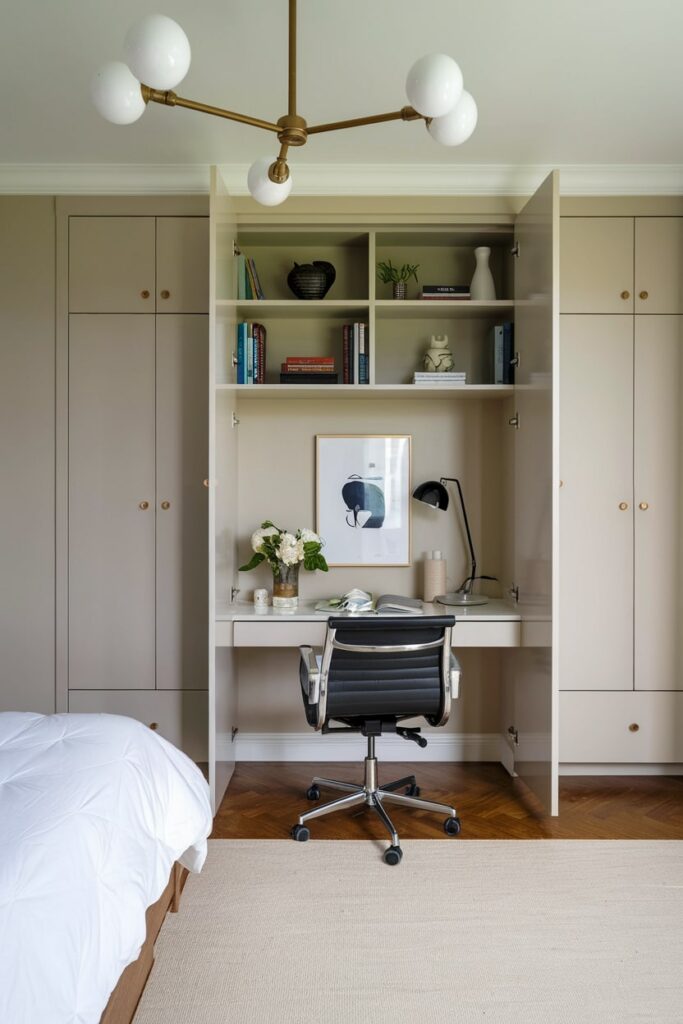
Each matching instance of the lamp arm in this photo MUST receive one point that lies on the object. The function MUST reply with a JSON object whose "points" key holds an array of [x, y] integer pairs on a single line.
{"points": [[404, 114], [171, 99], [468, 583]]}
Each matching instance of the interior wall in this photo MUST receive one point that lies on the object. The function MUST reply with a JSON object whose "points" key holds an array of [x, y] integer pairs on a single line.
{"points": [[27, 454], [449, 438]]}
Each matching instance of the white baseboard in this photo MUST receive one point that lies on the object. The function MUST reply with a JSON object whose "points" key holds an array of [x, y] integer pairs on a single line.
{"points": [[313, 746], [620, 769]]}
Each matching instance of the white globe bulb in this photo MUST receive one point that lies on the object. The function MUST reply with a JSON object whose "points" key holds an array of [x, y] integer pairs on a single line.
{"points": [[455, 128], [157, 51], [434, 85], [116, 93], [265, 191]]}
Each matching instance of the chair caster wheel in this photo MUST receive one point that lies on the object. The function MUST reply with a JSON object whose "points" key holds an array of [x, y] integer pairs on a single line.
{"points": [[413, 790], [300, 833], [313, 793], [452, 826], [393, 855]]}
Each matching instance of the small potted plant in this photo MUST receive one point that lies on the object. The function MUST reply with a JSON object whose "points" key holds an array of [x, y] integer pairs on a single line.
{"points": [[285, 553], [397, 276]]}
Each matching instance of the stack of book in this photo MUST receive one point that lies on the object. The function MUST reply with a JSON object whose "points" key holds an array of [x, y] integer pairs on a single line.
{"points": [[251, 353], [248, 284], [308, 370], [445, 291], [356, 353], [503, 343], [449, 378]]}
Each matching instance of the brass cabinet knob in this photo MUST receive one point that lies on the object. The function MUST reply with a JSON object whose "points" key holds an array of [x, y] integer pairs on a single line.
{"points": [[643, 295], [626, 295], [633, 727], [623, 505], [144, 294], [154, 726], [165, 504], [205, 482], [165, 294], [643, 506], [144, 505]]}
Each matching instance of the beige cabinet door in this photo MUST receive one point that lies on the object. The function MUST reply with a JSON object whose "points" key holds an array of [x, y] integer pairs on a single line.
{"points": [[596, 503], [659, 265], [658, 478], [182, 418], [111, 502], [182, 265], [111, 265], [596, 260]]}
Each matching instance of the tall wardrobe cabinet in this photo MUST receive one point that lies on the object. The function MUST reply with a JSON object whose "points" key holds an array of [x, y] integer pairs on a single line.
{"points": [[136, 421]]}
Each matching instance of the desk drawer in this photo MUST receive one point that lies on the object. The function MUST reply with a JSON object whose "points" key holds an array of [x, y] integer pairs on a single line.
{"points": [[596, 726], [278, 634], [486, 634]]}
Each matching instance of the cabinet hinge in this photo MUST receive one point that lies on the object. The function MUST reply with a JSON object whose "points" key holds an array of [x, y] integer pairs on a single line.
{"points": [[514, 251], [235, 420], [515, 361], [233, 733], [514, 421], [234, 591], [236, 251], [513, 734], [233, 359], [513, 591]]}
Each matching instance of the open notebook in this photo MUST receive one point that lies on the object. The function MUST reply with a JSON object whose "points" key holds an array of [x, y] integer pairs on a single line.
{"points": [[359, 602]]}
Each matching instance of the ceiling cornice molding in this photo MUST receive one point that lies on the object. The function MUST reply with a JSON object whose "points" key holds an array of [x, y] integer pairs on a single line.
{"points": [[345, 179]]}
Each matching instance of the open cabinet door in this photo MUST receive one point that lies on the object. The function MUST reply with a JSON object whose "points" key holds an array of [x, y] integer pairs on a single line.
{"points": [[222, 489], [533, 702]]}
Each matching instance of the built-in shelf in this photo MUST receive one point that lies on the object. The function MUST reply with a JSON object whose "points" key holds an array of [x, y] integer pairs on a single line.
{"points": [[319, 309], [432, 309], [372, 391]]}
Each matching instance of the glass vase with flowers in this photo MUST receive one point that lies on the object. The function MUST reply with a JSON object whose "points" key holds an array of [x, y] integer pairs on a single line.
{"points": [[285, 552]]}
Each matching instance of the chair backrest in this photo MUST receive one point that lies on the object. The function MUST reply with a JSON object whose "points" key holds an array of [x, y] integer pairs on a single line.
{"points": [[386, 668]]}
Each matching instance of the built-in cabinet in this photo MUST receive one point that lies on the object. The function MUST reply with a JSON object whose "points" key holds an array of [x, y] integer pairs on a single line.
{"points": [[620, 511], [136, 471], [497, 438]]}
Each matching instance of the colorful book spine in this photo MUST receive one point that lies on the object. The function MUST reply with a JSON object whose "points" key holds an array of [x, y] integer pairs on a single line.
{"points": [[250, 356], [258, 290], [250, 279], [242, 353], [310, 360], [346, 365]]}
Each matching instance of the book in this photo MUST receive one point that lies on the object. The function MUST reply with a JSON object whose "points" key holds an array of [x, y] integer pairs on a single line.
{"points": [[503, 350], [258, 290], [259, 332], [445, 289], [346, 366], [439, 298], [360, 602], [242, 353], [364, 362], [309, 378], [309, 360], [311, 368]]}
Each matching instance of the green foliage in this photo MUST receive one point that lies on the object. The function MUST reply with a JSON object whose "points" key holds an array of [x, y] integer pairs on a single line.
{"points": [[268, 548], [389, 274]]}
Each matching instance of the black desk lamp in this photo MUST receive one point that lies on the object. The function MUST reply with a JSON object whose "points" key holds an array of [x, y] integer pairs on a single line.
{"points": [[435, 494]]}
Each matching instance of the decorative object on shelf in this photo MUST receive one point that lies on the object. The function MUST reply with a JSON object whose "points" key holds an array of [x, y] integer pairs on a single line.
{"points": [[285, 552], [363, 498], [482, 287], [311, 280], [438, 357], [157, 53], [434, 494], [434, 576], [397, 276], [260, 599]]}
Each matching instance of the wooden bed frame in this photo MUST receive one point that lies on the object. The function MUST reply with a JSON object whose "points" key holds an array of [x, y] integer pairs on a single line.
{"points": [[124, 1000]]}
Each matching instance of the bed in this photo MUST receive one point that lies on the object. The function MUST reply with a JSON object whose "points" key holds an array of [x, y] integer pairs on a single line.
{"points": [[99, 817]]}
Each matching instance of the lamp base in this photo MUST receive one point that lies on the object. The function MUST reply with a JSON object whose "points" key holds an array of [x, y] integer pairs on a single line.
{"points": [[462, 599]]}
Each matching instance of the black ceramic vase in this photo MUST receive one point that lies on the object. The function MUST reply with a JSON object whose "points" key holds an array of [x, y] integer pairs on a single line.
{"points": [[311, 280]]}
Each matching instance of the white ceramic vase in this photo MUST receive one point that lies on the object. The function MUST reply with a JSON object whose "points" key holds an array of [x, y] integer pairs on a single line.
{"points": [[482, 286]]}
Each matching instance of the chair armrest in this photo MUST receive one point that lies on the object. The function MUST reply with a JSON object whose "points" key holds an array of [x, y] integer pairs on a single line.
{"points": [[310, 674], [455, 674]]}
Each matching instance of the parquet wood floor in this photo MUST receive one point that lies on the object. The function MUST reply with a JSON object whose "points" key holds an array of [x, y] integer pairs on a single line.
{"points": [[264, 800]]}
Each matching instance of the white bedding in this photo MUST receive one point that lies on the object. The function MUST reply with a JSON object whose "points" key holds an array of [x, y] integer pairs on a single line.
{"points": [[94, 810]]}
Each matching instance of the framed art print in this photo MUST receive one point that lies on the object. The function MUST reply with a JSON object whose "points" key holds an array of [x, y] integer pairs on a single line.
{"points": [[363, 498]]}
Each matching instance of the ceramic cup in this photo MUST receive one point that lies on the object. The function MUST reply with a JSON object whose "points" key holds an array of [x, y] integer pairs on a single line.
{"points": [[261, 598]]}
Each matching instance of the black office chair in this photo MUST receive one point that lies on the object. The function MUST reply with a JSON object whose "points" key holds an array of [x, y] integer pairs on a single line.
{"points": [[373, 674]]}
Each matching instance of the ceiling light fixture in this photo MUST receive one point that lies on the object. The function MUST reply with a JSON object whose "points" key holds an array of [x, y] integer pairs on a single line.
{"points": [[157, 55]]}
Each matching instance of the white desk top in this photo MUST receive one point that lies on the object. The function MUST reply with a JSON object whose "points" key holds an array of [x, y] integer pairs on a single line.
{"points": [[243, 611]]}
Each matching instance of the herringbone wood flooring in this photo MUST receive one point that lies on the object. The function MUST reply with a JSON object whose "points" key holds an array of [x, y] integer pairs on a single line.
{"points": [[264, 800]]}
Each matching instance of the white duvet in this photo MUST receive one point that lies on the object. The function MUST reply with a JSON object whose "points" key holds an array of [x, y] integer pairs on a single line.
{"points": [[94, 810]]}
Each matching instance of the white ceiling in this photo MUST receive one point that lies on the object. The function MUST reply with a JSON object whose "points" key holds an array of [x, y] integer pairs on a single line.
{"points": [[556, 82]]}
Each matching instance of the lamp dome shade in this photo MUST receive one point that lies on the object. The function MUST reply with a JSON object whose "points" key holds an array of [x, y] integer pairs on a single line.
{"points": [[434, 85], [116, 93], [265, 191], [432, 493], [157, 51], [455, 127]]}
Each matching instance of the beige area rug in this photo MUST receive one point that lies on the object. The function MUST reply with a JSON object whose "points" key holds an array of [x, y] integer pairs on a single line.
{"points": [[540, 932]]}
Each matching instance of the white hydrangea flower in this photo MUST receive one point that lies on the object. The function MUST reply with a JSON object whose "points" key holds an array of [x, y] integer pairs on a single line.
{"points": [[309, 537], [258, 535], [291, 550]]}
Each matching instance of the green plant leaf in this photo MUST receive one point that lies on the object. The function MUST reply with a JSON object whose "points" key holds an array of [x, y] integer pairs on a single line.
{"points": [[255, 560]]}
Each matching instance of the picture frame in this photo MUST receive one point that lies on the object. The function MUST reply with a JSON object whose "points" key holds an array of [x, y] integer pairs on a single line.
{"points": [[363, 502]]}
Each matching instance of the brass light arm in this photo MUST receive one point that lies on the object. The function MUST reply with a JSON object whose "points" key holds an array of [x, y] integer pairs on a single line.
{"points": [[292, 57], [404, 114], [170, 99]]}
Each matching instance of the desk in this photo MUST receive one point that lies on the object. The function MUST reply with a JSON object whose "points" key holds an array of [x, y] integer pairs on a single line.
{"points": [[496, 624]]}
